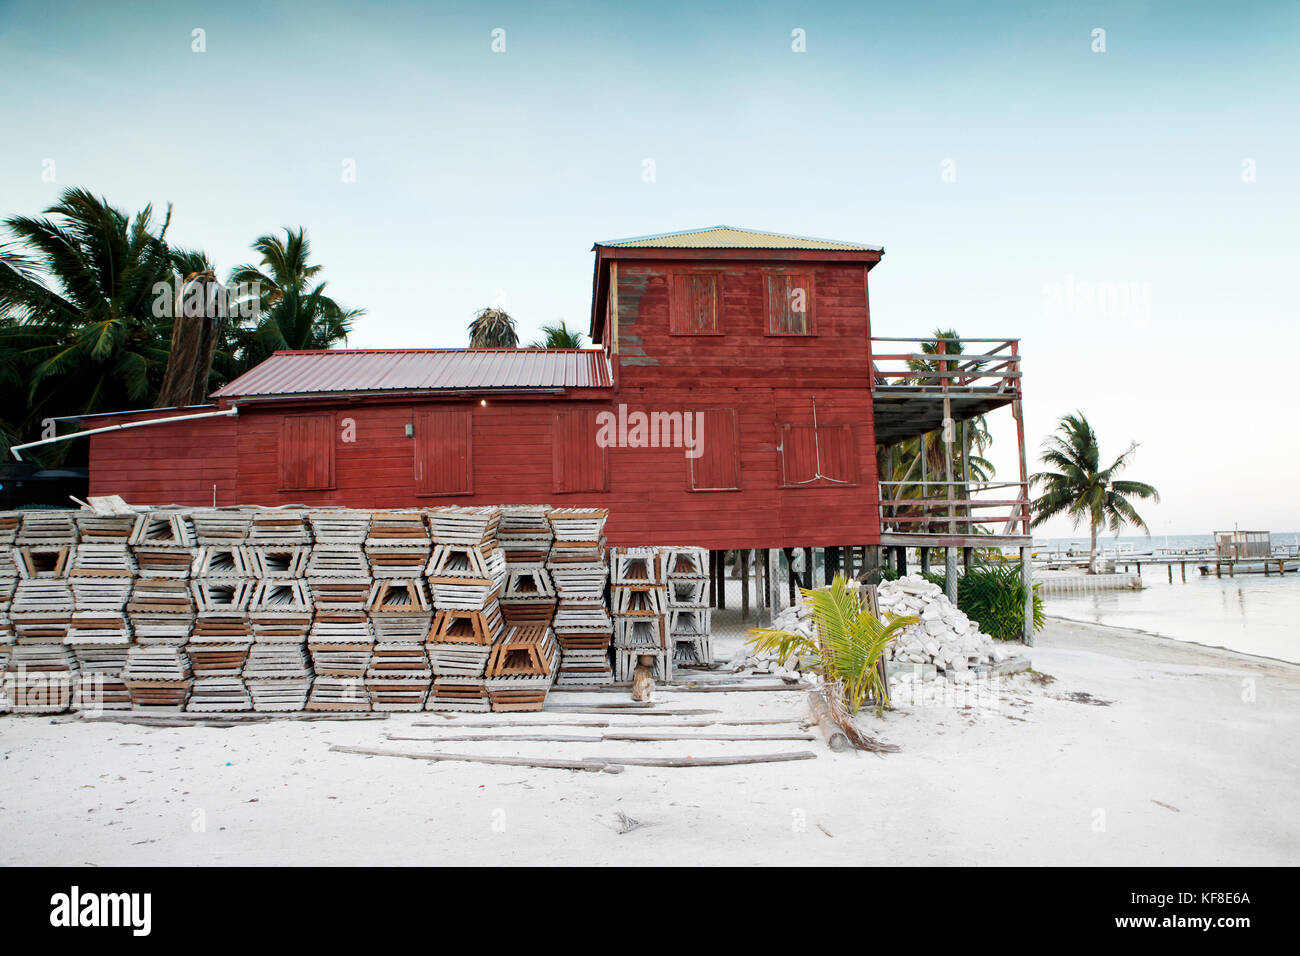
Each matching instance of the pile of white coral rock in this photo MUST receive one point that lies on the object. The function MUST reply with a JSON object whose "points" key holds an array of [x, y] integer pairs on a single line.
{"points": [[944, 636]]}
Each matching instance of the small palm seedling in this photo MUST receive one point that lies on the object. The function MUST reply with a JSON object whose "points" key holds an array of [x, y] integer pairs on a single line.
{"points": [[846, 646]]}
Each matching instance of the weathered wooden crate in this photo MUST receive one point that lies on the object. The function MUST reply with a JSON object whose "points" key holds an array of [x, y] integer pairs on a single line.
{"points": [[631, 600], [98, 627], [686, 563], [338, 526], [94, 526], [277, 561], [451, 626], [227, 527], [453, 524], [210, 659], [458, 660], [524, 650], [640, 632], [47, 528], [221, 562], [582, 582], [280, 693], [163, 529], [456, 693], [290, 597], [636, 566], [218, 694], [279, 526], [222, 595], [277, 662], [337, 693], [41, 561]]}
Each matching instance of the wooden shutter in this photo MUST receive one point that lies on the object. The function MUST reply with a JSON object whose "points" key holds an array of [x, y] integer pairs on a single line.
{"points": [[443, 460], [578, 462], [718, 467], [307, 452], [789, 303], [800, 447], [693, 303]]}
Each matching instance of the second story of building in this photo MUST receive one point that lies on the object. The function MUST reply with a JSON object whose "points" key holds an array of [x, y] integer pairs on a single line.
{"points": [[733, 306]]}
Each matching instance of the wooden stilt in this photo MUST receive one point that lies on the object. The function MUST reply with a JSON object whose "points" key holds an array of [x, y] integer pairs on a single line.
{"points": [[744, 591]]}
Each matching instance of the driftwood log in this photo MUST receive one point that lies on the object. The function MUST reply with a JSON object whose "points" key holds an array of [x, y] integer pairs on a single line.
{"points": [[836, 738]]}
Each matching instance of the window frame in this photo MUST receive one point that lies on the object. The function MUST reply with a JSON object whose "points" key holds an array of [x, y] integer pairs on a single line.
{"points": [[810, 314], [680, 274], [467, 414], [845, 428], [735, 453], [281, 475]]}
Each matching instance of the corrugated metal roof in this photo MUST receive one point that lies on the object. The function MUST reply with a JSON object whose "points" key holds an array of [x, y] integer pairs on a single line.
{"points": [[384, 370], [730, 237]]}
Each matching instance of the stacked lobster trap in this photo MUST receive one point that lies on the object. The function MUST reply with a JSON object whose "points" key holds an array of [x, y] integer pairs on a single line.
{"points": [[639, 602], [686, 577], [579, 567], [467, 577], [333, 609]]}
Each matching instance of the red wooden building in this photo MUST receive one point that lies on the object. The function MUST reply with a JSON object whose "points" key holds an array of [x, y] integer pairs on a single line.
{"points": [[735, 401]]}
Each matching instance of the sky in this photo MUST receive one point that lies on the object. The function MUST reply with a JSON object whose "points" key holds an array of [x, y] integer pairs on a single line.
{"points": [[1125, 202]]}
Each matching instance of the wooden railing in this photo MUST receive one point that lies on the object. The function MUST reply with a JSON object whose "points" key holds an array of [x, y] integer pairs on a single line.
{"points": [[994, 369], [975, 508]]}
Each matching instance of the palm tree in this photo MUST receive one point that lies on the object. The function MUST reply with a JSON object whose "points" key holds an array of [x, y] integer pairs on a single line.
{"points": [[293, 310], [1084, 490], [197, 334], [558, 337], [492, 329], [80, 332], [968, 458]]}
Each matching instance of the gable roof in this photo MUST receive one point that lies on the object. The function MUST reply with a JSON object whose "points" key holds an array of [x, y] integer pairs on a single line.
{"points": [[731, 237], [718, 243], [351, 371]]}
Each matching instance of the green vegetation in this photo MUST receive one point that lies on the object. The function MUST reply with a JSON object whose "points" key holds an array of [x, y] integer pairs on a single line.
{"points": [[87, 299], [993, 596], [558, 337], [846, 645], [1082, 489]]}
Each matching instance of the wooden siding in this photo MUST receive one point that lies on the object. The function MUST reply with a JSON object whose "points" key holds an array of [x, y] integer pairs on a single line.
{"points": [[166, 464], [542, 449]]}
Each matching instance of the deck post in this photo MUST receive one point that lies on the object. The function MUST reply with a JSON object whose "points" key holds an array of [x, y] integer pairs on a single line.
{"points": [[744, 591], [773, 577], [1027, 577], [950, 574], [871, 564], [722, 580]]}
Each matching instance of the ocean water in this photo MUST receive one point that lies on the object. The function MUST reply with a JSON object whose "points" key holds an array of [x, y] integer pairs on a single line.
{"points": [[1250, 613]]}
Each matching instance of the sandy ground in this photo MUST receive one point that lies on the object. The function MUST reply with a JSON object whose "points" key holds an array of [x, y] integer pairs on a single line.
{"points": [[1193, 761]]}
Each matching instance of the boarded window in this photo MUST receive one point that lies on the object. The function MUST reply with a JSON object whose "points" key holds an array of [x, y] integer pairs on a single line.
{"points": [[789, 303], [823, 458], [307, 452], [443, 462], [693, 303], [718, 466], [578, 462]]}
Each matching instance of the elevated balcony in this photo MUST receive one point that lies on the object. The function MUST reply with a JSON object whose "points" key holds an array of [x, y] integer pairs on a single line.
{"points": [[925, 392]]}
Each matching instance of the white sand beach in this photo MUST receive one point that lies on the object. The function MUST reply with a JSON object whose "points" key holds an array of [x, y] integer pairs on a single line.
{"points": [[1191, 760]]}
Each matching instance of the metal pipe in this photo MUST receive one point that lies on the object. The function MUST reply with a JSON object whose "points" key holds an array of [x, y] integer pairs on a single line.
{"points": [[226, 413]]}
